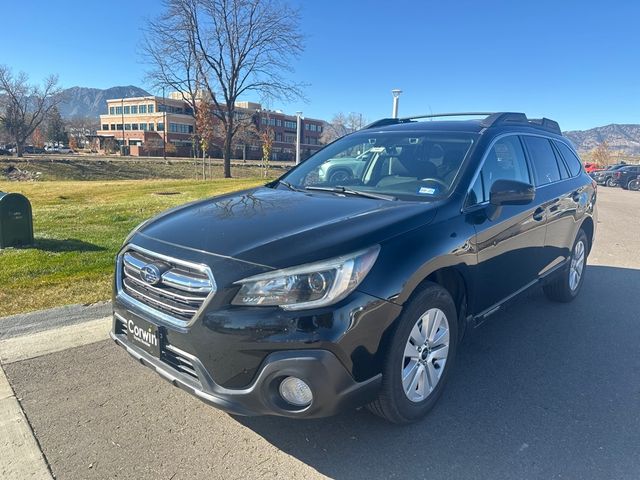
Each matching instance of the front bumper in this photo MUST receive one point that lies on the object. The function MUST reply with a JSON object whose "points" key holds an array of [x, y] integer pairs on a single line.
{"points": [[334, 389]]}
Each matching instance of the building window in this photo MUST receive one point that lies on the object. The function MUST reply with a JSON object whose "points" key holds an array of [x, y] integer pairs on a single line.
{"points": [[289, 124], [272, 122], [112, 111], [105, 126], [320, 128], [143, 127], [118, 110], [134, 109], [278, 137], [160, 127], [113, 126], [264, 120], [127, 126], [150, 108], [127, 110], [134, 126], [119, 126], [278, 123], [151, 127], [142, 109], [290, 138]]}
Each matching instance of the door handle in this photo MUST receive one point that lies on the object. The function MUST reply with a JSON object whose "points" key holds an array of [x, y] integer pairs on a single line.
{"points": [[575, 196], [538, 214]]}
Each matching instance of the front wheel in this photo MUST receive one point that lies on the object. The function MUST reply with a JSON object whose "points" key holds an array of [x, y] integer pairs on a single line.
{"points": [[634, 185], [610, 182], [419, 357], [566, 287]]}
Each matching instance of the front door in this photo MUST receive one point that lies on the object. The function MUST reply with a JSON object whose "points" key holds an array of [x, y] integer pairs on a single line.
{"points": [[510, 247]]}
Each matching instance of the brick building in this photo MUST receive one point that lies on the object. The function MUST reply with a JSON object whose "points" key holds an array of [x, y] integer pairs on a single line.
{"points": [[143, 124]]}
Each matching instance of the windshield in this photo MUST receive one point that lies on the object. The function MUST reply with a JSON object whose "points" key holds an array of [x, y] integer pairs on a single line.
{"points": [[411, 165]]}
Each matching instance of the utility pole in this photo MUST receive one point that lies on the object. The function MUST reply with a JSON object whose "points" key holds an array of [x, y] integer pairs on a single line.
{"points": [[298, 135], [396, 94]]}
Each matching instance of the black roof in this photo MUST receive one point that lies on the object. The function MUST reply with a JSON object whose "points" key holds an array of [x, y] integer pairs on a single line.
{"points": [[487, 120]]}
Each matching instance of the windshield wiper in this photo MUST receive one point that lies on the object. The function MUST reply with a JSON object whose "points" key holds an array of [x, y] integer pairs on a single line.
{"points": [[348, 191], [288, 185]]}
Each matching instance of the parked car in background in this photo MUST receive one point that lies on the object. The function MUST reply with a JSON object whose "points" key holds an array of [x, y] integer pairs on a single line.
{"points": [[305, 296], [605, 177], [590, 167], [626, 174], [4, 152], [341, 169], [33, 150], [63, 149]]}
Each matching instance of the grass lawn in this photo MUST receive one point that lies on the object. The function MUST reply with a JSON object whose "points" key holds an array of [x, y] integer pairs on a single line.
{"points": [[79, 226]]}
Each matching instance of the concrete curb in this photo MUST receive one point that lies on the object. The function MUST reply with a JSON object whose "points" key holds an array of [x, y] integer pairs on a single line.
{"points": [[33, 322], [20, 454]]}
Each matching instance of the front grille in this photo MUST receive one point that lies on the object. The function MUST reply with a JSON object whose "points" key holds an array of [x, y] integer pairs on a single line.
{"points": [[178, 295]]}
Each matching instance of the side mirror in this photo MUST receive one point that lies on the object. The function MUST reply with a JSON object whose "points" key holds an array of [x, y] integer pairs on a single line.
{"points": [[509, 192]]}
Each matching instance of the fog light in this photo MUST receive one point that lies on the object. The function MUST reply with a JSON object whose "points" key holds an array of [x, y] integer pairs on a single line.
{"points": [[296, 392]]}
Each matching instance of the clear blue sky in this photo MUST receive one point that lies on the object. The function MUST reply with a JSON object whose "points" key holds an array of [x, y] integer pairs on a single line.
{"points": [[574, 61]]}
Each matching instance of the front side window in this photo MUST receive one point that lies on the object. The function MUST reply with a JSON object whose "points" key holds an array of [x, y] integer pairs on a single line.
{"points": [[543, 160], [504, 161], [408, 166]]}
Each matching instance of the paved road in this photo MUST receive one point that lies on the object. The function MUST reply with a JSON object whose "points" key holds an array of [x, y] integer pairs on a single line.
{"points": [[542, 391]]}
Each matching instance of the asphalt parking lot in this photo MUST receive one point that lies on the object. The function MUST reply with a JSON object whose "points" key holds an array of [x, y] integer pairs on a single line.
{"points": [[543, 390]]}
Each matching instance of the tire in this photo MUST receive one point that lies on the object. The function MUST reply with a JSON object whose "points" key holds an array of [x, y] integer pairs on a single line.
{"points": [[566, 287], [610, 182], [430, 373], [634, 185], [338, 176]]}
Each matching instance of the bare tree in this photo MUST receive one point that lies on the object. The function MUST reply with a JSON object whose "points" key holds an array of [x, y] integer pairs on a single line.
{"points": [[240, 47], [25, 106], [601, 155], [341, 125]]}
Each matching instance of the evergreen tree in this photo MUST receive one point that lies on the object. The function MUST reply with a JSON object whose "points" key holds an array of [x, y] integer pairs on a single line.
{"points": [[55, 127]]}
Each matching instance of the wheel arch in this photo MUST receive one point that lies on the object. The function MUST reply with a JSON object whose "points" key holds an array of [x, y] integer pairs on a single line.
{"points": [[589, 230]]}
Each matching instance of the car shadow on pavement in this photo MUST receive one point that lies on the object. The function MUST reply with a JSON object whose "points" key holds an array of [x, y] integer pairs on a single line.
{"points": [[542, 390]]}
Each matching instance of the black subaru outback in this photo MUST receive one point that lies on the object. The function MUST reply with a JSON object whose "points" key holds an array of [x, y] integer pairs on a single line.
{"points": [[316, 293]]}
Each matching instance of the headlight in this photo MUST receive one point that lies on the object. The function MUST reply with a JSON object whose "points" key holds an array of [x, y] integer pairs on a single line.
{"points": [[308, 286]]}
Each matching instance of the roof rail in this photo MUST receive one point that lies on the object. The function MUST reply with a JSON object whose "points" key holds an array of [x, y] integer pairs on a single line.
{"points": [[504, 117], [547, 124], [491, 119], [382, 123], [461, 114]]}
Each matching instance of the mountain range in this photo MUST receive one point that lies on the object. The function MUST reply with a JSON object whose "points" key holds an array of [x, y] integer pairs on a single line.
{"points": [[622, 138], [91, 102]]}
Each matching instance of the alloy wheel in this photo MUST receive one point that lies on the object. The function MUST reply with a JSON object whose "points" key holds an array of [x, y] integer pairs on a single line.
{"points": [[577, 265], [425, 355]]}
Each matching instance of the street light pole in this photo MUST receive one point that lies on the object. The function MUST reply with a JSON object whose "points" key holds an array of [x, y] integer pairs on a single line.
{"points": [[298, 135], [122, 115], [164, 125], [396, 94]]}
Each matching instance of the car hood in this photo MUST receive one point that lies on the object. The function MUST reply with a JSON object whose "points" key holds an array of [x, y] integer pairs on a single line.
{"points": [[278, 228]]}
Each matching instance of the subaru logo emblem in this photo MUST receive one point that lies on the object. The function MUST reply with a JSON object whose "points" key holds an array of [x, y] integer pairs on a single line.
{"points": [[150, 274]]}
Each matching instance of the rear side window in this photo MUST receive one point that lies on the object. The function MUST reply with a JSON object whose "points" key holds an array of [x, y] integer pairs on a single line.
{"points": [[505, 161], [572, 161], [544, 161]]}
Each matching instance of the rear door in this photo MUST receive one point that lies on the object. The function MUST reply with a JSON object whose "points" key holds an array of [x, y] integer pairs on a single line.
{"points": [[560, 193], [509, 248]]}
